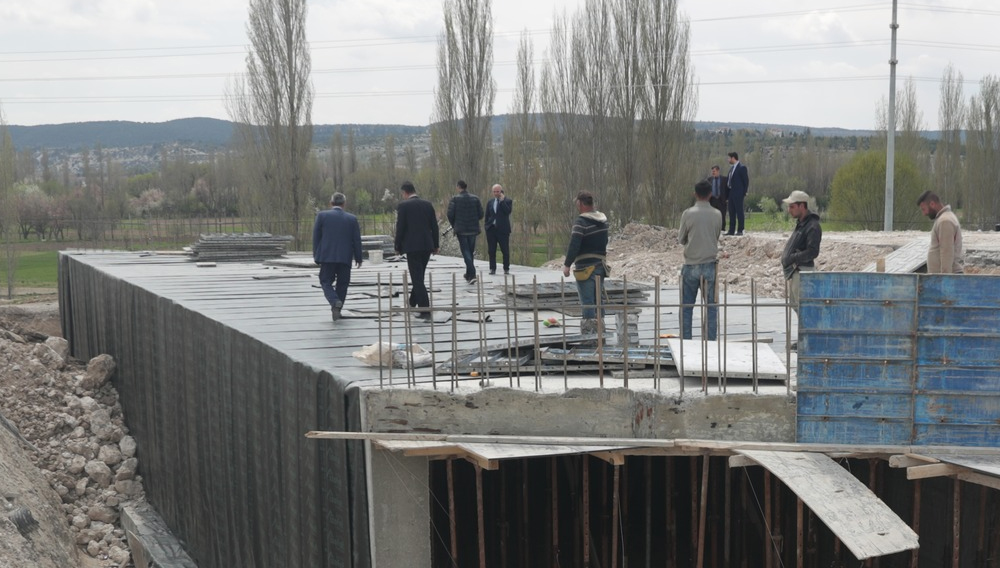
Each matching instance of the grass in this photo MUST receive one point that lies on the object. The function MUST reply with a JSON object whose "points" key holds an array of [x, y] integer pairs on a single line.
{"points": [[33, 269]]}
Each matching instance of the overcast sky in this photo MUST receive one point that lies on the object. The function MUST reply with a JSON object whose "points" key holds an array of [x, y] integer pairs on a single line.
{"points": [[815, 63]]}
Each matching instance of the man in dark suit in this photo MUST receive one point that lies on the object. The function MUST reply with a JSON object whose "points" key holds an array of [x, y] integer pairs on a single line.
{"points": [[720, 193], [336, 242], [464, 213], [417, 236], [739, 185], [498, 228]]}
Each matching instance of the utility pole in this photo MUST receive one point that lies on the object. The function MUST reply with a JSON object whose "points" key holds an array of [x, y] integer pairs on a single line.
{"points": [[890, 147]]}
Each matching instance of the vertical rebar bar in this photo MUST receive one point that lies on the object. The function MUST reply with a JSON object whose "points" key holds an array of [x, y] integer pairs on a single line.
{"points": [[656, 333]]}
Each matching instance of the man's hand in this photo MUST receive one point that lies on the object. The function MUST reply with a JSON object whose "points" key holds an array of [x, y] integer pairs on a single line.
{"points": [[436, 250], [358, 264], [565, 271]]}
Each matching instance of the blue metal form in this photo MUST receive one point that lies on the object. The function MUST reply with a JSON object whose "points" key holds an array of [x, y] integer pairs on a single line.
{"points": [[899, 359]]}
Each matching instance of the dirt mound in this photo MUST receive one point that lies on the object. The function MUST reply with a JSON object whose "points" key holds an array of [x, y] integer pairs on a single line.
{"points": [[63, 417]]}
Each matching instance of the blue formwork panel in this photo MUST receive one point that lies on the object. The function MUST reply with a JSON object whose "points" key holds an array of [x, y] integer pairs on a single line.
{"points": [[856, 350], [958, 361], [858, 286], [825, 374], [972, 380], [846, 430]]}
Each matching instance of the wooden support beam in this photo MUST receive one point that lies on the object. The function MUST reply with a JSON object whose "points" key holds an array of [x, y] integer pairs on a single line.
{"points": [[739, 460], [980, 479], [932, 470], [910, 460], [613, 458]]}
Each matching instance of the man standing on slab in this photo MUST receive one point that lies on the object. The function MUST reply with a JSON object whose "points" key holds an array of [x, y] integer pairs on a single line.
{"points": [[417, 237], [699, 233], [497, 224], [336, 241], [720, 194], [945, 253], [464, 213]]}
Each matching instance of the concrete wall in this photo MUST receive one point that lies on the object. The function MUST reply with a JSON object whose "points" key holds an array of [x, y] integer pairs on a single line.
{"points": [[610, 412]]}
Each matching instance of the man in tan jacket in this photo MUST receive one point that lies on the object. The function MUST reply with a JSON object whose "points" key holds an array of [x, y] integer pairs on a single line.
{"points": [[945, 253]]}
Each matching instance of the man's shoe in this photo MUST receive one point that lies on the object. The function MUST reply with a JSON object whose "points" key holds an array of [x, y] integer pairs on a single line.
{"points": [[335, 310], [473, 280], [506, 271], [739, 233], [794, 346], [493, 272]]}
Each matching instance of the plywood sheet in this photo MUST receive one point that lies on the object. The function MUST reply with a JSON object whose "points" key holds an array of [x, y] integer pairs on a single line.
{"points": [[866, 525], [910, 257], [738, 359], [987, 465]]}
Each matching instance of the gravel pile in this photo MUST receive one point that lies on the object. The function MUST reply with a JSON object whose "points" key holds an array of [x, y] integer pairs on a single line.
{"points": [[71, 416]]}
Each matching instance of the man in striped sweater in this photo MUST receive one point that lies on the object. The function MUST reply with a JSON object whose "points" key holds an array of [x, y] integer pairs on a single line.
{"points": [[588, 248]]}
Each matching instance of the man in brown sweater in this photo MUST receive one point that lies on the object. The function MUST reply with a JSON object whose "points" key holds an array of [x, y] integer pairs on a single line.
{"points": [[945, 253]]}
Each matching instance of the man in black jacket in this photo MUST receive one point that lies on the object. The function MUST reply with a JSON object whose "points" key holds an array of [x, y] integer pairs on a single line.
{"points": [[417, 236], [464, 213], [497, 224], [802, 247]]}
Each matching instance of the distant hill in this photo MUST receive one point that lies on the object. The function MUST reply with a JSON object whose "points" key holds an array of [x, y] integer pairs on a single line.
{"points": [[209, 133]]}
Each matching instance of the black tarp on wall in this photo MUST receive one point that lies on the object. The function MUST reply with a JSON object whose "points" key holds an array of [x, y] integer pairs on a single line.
{"points": [[219, 418]]}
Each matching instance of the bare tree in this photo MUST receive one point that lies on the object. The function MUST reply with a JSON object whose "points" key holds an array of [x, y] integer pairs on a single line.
{"points": [[520, 169], [337, 160], [948, 174], [271, 106], [983, 150], [465, 92], [8, 203]]}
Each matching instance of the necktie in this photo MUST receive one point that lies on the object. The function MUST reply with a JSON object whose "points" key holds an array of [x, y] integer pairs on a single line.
{"points": [[715, 187], [729, 181]]}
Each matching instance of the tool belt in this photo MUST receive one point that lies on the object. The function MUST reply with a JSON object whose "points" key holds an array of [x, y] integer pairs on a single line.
{"points": [[586, 272]]}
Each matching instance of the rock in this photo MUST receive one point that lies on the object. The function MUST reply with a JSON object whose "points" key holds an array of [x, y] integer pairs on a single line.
{"points": [[128, 446], [11, 336], [99, 370], [118, 555], [110, 454], [102, 513], [80, 521], [48, 357], [127, 469], [99, 472], [76, 465], [128, 487], [59, 345], [101, 425], [81, 486], [93, 548]]}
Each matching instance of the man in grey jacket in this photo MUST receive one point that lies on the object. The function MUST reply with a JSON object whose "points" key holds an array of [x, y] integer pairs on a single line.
{"points": [[464, 213], [802, 247], [699, 233]]}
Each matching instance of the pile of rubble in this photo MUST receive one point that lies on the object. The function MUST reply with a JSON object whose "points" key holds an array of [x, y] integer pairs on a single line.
{"points": [[69, 421]]}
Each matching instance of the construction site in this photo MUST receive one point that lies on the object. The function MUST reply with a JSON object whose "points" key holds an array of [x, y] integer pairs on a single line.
{"points": [[498, 435], [263, 434]]}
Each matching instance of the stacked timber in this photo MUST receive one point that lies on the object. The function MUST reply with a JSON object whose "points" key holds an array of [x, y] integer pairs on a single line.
{"points": [[239, 247], [563, 297]]}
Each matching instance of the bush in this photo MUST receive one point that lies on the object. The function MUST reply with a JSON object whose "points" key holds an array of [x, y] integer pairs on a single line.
{"points": [[858, 192]]}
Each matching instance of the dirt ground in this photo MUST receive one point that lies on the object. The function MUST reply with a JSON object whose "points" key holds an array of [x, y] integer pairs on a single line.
{"points": [[43, 396]]}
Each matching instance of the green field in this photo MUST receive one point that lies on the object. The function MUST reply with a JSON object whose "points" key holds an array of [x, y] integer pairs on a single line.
{"points": [[33, 270]]}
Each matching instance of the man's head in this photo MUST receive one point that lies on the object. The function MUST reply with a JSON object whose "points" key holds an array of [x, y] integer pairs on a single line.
{"points": [[703, 190], [584, 201], [930, 204], [733, 157], [407, 188], [461, 185], [797, 204], [338, 199], [715, 171], [498, 191]]}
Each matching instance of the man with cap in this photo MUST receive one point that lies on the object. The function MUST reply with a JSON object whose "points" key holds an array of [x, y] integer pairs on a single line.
{"points": [[802, 247]]}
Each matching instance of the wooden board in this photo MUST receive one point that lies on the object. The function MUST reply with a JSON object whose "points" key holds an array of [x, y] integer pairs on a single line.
{"points": [[738, 357], [987, 465], [866, 525], [908, 258]]}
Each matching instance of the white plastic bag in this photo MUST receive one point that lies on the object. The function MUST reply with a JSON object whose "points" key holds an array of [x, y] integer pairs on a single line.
{"points": [[398, 355]]}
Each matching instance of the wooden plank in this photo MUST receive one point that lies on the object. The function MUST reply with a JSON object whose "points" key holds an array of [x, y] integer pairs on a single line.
{"points": [[932, 470], [908, 258], [866, 525], [739, 359], [909, 460], [987, 465]]}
